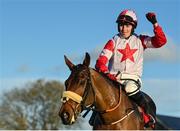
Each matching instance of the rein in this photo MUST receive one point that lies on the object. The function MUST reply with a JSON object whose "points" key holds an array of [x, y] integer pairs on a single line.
{"points": [[118, 121], [81, 101]]}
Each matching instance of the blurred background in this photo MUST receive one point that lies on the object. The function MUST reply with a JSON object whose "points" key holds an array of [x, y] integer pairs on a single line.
{"points": [[36, 34]]}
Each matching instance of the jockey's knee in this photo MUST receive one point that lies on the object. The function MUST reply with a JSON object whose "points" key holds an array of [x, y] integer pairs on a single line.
{"points": [[131, 87]]}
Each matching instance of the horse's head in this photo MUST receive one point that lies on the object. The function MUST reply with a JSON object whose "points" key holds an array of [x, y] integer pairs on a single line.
{"points": [[75, 97]]}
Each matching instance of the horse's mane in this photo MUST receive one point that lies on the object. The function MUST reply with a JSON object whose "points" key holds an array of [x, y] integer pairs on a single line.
{"points": [[110, 81]]}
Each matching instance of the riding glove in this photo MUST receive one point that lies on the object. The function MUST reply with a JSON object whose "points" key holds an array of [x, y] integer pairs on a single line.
{"points": [[111, 76], [151, 17]]}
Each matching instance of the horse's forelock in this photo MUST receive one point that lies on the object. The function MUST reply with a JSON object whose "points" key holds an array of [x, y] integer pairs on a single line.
{"points": [[80, 70]]}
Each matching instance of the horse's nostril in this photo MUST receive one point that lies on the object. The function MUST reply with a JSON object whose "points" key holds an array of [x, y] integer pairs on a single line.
{"points": [[65, 115]]}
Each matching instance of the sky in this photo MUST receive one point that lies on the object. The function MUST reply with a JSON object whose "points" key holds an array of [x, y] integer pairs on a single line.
{"points": [[36, 34]]}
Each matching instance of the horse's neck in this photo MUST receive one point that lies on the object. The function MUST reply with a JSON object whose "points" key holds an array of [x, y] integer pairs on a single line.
{"points": [[106, 95]]}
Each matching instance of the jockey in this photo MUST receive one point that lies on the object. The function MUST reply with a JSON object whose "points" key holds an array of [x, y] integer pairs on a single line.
{"points": [[124, 56]]}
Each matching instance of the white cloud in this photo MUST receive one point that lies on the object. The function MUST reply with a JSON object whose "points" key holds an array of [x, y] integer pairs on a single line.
{"points": [[168, 53]]}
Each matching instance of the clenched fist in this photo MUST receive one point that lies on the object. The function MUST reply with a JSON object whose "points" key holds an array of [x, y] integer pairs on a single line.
{"points": [[151, 17]]}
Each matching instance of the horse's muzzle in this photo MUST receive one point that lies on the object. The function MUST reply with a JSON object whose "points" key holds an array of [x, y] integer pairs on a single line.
{"points": [[66, 117]]}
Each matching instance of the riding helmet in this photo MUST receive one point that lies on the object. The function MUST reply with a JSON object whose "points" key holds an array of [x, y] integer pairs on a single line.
{"points": [[127, 16]]}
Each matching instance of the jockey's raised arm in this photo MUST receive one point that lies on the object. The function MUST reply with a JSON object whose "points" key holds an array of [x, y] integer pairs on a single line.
{"points": [[124, 53]]}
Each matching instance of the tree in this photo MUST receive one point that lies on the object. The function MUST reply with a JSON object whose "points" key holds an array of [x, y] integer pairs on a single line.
{"points": [[32, 107]]}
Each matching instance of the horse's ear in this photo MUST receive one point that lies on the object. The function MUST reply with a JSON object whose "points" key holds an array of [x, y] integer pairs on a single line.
{"points": [[68, 63], [87, 60]]}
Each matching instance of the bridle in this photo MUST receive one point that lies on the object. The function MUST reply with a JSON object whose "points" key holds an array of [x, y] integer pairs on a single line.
{"points": [[80, 100]]}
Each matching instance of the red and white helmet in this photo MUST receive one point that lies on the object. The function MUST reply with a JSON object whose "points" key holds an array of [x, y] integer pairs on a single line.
{"points": [[127, 16]]}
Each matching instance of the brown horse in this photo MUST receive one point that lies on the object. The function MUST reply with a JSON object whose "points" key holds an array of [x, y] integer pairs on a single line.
{"points": [[87, 88]]}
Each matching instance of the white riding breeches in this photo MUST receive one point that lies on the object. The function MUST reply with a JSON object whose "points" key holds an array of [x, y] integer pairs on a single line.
{"points": [[131, 87], [132, 83]]}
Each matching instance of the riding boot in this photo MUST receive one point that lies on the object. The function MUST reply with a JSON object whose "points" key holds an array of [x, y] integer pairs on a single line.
{"points": [[141, 99]]}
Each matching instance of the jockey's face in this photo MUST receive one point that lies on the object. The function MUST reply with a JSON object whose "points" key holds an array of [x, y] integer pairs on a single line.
{"points": [[125, 29]]}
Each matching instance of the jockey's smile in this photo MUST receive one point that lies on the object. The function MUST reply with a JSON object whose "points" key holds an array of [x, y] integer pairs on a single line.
{"points": [[126, 30]]}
